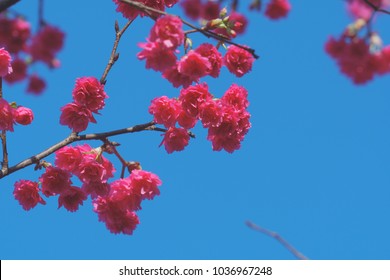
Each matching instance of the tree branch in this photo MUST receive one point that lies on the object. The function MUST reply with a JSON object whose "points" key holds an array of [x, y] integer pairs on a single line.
{"points": [[114, 55], [205, 32], [75, 138], [376, 8], [5, 4], [280, 239]]}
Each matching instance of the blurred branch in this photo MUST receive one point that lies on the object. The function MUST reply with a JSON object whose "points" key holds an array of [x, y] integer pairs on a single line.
{"points": [[376, 8], [205, 32], [5, 4], [280, 239]]}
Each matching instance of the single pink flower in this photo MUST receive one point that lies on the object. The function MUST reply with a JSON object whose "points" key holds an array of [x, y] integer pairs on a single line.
{"points": [[5, 63], [23, 115], [76, 117], [238, 61], [277, 9], [165, 110], [236, 96], [175, 139], [55, 181], [168, 31], [36, 85], [192, 8], [89, 92], [210, 10], [145, 183], [68, 158], [211, 53], [186, 121], [46, 43], [19, 71], [6, 116], [192, 97], [157, 56], [194, 65], [27, 193]]}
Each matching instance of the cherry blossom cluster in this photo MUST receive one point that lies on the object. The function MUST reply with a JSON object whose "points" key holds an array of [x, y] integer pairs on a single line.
{"points": [[226, 119], [11, 113], [28, 48], [115, 202], [160, 50], [88, 98], [360, 56]]}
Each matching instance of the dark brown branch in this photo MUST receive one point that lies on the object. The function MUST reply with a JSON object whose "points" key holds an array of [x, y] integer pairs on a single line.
{"points": [[75, 138], [5, 4], [205, 32], [280, 239], [376, 8], [114, 55], [5, 152]]}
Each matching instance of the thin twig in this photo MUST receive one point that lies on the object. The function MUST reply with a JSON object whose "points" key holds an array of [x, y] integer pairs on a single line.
{"points": [[150, 126], [114, 55], [5, 4], [41, 21], [5, 152], [205, 32], [280, 239]]}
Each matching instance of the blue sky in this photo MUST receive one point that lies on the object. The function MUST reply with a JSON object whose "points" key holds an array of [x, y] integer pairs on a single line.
{"points": [[314, 166]]}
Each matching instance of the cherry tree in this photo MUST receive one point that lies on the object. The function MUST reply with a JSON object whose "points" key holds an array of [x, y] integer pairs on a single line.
{"points": [[73, 171]]}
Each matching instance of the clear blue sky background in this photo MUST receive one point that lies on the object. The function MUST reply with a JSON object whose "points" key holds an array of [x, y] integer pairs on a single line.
{"points": [[315, 167]]}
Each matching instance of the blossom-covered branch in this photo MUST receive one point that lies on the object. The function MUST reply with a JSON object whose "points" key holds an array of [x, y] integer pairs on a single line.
{"points": [[280, 239], [204, 31], [74, 137]]}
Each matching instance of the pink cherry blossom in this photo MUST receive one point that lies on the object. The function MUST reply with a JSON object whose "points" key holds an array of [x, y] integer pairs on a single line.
{"points": [[23, 115], [165, 110], [194, 65], [5, 63], [167, 31], [27, 193], [55, 181], [277, 9], [71, 199], [76, 117], [19, 71], [36, 85], [175, 139], [68, 158], [145, 183], [6, 116], [157, 56], [211, 53], [192, 97], [89, 92], [238, 61]]}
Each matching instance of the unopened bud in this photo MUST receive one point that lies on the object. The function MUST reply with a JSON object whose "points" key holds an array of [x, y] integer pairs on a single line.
{"points": [[116, 26], [215, 23], [223, 13], [187, 43]]}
